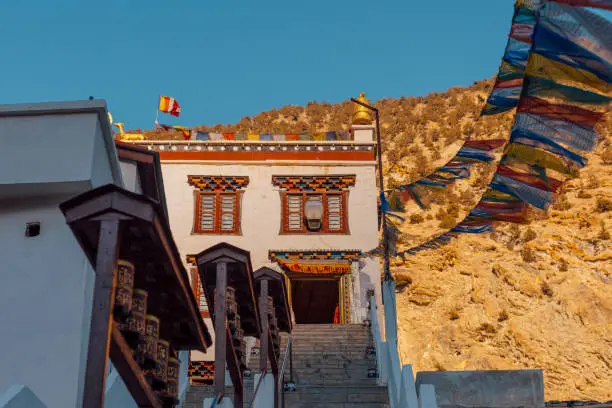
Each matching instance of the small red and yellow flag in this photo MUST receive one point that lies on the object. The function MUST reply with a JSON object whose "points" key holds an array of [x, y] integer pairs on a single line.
{"points": [[169, 105]]}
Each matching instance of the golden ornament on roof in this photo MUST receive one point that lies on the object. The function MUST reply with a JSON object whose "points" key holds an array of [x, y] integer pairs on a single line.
{"points": [[362, 115]]}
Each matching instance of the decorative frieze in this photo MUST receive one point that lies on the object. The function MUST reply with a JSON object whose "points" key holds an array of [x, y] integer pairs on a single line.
{"points": [[314, 183], [218, 183], [313, 255], [255, 147]]}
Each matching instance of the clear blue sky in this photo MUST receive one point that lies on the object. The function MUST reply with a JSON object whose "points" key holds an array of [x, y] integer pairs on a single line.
{"points": [[223, 60]]}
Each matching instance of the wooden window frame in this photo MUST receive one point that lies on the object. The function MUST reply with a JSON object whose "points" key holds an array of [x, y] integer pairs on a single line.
{"points": [[197, 230], [284, 228], [197, 290]]}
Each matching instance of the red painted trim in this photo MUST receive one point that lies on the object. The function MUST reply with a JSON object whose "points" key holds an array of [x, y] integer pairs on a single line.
{"points": [[259, 156]]}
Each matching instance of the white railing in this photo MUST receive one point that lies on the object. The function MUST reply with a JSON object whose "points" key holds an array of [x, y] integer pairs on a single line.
{"points": [[399, 379]]}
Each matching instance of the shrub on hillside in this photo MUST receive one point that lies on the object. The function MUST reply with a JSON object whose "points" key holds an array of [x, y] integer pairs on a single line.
{"points": [[528, 255], [448, 221], [529, 235], [604, 235], [603, 205], [416, 219], [606, 155]]}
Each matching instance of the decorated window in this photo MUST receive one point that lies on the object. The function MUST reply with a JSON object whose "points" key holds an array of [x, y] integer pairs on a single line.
{"points": [[314, 204], [198, 292], [217, 204]]}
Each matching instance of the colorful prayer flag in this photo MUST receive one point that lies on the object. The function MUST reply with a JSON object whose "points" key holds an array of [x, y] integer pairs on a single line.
{"points": [[169, 105]]}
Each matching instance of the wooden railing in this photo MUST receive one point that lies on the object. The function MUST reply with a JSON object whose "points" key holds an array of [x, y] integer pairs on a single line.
{"points": [[398, 378]]}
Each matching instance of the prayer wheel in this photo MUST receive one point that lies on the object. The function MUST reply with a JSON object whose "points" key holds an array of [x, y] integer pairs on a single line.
{"points": [[146, 353], [139, 301], [157, 376], [133, 328], [123, 289], [172, 376], [163, 354], [234, 324]]}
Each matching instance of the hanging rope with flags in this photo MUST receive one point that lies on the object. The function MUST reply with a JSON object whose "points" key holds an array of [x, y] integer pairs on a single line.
{"points": [[503, 97], [565, 94]]}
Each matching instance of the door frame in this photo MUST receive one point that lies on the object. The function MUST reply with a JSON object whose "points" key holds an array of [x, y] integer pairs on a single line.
{"points": [[343, 294]]}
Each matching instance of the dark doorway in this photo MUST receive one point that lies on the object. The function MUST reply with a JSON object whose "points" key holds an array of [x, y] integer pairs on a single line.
{"points": [[314, 301]]}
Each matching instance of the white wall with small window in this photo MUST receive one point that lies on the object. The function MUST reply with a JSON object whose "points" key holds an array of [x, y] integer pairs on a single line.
{"points": [[252, 217]]}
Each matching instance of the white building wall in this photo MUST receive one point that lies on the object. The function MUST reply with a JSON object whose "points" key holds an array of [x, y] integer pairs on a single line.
{"points": [[261, 219], [261, 210], [46, 281], [45, 299]]}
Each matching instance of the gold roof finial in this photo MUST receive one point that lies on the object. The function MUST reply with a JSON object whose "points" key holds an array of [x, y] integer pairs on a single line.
{"points": [[362, 115], [127, 136]]}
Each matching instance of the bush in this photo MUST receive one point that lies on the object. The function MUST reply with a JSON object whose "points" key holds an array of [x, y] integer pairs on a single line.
{"points": [[603, 205], [604, 235], [593, 181], [606, 156], [416, 219], [402, 281], [562, 204], [503, 316], [528, 255], [529, 235], [583, 194], [563, 265], [546, 289], [448, 221]]}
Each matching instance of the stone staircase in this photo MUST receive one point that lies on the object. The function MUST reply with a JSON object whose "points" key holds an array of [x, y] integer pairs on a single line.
{"points": [[330, 370]]}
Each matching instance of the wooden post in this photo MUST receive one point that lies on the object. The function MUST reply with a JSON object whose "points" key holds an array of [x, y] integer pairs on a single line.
{"points": [[101, 315], [220, 328], [263, 338]]}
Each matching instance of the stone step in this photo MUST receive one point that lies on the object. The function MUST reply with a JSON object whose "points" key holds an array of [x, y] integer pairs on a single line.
{"points": [[314, 355], [329, 362], [329, 394], [333, 405], [335, 348]]}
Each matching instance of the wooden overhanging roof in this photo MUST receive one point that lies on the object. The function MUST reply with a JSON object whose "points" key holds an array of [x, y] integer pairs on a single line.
{"points": [[239, 276], [146, 241], [278, 290], [149, 170]]}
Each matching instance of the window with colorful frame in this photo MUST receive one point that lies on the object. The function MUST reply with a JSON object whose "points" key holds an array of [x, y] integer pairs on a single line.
{"points": [[198, 292], [217, 200], [314, 204]]}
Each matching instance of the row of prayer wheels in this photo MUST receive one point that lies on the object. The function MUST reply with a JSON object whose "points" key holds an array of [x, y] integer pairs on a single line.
{"points": [[156, 357], [273, 327], [233, 319]]}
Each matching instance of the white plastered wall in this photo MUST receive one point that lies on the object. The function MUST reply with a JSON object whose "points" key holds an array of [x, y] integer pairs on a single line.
{"points": [[261, 218]]}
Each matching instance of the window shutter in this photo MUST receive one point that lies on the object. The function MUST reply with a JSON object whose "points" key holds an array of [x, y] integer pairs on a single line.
{"points": [[207, 212], [198, 291], [294, 212], [228, 207], [334, 212]]}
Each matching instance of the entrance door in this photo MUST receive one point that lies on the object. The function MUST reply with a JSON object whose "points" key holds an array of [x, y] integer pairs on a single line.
{"points": [[314, 301]]}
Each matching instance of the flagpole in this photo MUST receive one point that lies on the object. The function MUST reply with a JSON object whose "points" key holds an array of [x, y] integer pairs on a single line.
{"points": [[157, 112]]}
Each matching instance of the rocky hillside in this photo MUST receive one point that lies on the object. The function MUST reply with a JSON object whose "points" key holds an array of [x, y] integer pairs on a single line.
{"points": [[538, 295]]}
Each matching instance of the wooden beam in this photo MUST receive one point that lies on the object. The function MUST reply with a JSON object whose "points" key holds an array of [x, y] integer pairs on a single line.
{"points": [[220, 327], [130, 372], [101, 315], [264, 339]]}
